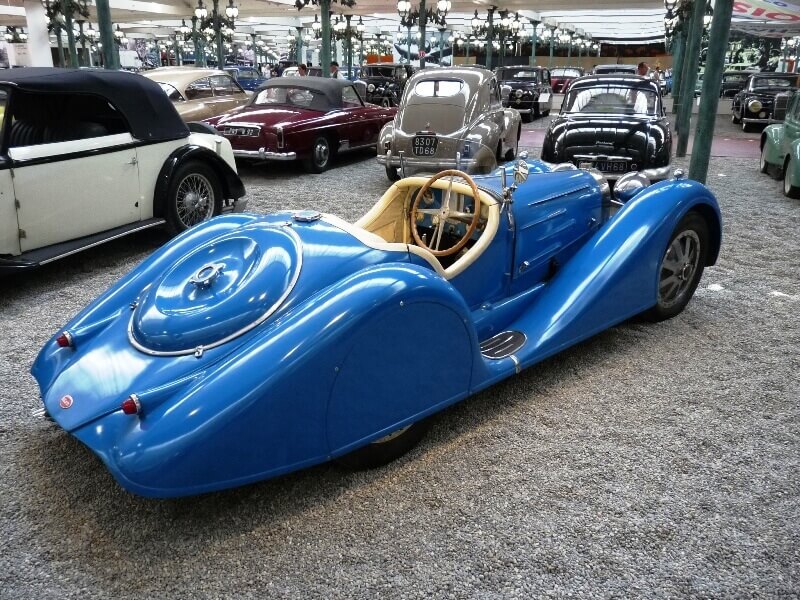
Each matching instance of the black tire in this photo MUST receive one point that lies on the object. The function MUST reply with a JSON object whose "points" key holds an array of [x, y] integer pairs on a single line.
{"points": [[546, 113], [691, 235], [746, 127], [321, 155], [526, 117], [387, 449], [194, 196], [393, 173], [734, 119], [763, 165], [789, 190], [535, 114]]}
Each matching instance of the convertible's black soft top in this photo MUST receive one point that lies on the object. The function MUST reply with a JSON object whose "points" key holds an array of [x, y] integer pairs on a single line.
{"points": [[142, 102], [329, 87]]}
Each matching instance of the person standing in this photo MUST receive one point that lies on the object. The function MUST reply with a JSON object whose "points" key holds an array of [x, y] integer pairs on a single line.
{"points": [[335, 73]]}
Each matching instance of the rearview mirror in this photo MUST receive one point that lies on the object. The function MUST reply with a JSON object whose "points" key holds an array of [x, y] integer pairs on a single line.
{"points": [[521, 172]]}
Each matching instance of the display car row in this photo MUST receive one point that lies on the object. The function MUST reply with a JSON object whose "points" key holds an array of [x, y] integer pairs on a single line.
{"points": [[151, 169], [762, 95]]}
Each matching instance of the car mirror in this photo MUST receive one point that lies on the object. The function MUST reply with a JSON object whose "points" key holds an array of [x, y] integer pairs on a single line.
{"points": [[521, 172]]}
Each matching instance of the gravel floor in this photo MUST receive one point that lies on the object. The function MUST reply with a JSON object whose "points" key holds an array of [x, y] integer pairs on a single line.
{"points": [[652, 461]]}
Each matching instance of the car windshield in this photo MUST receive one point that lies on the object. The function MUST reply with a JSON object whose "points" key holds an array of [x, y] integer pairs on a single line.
{"points": [[292, 96], [613, 69], [248, 75], [379, 72], [171, 92], [773, 82], [506, 74], [611, 99], [565, 73]]}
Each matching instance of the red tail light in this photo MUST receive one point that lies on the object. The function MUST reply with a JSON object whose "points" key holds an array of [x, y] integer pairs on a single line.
{"points": [[64, 340], [131, 405]]}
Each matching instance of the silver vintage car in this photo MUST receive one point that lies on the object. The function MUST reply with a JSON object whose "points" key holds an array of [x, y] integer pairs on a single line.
{"points": [[449, 118]]}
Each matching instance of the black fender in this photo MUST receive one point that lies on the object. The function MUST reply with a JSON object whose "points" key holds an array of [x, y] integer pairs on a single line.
{"points": [[232, 186]]}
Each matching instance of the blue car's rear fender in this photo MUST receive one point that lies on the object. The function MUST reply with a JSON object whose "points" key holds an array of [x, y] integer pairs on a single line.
{"points": [[379, 349]]}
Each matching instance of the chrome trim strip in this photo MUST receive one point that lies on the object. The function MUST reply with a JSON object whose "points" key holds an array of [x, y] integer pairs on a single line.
{"points": [[517, 368], [198, 351], [552, 215], [103, 241], [559, 195]]}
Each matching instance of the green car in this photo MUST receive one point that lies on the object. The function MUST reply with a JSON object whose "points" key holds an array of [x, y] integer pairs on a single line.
{"points": [[780, 145]]}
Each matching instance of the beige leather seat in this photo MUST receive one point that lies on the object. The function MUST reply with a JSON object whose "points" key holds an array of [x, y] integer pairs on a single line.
{"points": [[386, 226]]}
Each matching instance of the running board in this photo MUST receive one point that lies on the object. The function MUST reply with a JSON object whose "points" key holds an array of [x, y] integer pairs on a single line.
{"points": [[42, 256], [503, 344]]}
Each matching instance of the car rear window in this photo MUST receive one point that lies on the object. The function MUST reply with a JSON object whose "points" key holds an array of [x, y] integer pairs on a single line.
{"points": [[608, 99], [438, 88], [565, 73]]}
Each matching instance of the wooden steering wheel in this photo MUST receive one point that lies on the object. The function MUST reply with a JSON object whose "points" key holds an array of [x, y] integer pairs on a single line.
{"points": [[445, 214]]}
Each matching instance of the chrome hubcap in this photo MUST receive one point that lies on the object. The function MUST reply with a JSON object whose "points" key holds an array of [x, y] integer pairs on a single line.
{"points": [[195, 201], [321, 153], [678, 268]]}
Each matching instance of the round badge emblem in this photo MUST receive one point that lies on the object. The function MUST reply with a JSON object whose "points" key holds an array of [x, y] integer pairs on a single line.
{"points": [[66, 401]]}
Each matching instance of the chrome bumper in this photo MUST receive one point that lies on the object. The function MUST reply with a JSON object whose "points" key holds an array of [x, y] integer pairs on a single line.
{"points": [[761, 121], [416, 162], [656, 174], [264, 154]]}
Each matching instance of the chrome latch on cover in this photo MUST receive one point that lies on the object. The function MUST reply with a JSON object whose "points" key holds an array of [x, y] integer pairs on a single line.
{"points": [[207, 275], [307, 216]]}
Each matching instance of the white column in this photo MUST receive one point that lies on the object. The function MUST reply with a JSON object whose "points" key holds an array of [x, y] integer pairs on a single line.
{"points": [[38, 38]]}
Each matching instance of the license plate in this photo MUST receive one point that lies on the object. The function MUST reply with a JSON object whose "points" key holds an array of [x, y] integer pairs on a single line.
{"points": [[612, 166], [424, 145], [248, 131], [544, 98]]}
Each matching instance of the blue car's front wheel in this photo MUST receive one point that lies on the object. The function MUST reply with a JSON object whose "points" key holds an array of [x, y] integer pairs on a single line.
{"points": [[681, 267]]}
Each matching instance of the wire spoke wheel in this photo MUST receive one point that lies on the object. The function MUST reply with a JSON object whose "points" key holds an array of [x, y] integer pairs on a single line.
{"points": [[678, 268], [194, 200]]}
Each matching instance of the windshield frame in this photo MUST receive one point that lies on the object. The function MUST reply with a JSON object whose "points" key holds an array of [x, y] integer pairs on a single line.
{"points": [[535, 72], [164, 85]]}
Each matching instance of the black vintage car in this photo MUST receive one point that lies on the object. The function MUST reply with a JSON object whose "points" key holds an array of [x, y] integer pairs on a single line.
{"points": [[614, 123], [527, 89], [733, 82], [754, 104], [385, 82]]}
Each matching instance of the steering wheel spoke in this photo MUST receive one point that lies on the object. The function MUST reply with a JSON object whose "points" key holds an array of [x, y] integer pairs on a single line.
{"points": [[445, 214]]}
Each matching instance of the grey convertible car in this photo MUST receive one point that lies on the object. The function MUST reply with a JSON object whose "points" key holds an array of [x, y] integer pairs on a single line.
{"points": [[449, 118]]}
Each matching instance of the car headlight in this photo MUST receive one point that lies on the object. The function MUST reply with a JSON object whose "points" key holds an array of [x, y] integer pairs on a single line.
{"points": [[371, 87], [518, 93], [754, 106]]}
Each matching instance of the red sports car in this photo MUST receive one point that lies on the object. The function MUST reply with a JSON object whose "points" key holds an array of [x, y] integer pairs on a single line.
{"points": [[561, 77], [303, 118]]}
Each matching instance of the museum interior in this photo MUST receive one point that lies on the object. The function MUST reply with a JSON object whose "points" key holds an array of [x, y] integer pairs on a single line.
{"points": [[399, 299]]}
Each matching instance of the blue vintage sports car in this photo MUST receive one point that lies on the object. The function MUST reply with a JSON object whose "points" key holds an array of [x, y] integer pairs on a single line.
{"points": [[254, 345], [248, 77]]}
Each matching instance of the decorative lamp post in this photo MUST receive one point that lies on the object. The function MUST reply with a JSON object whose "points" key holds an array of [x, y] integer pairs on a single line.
{"points": [[324, 28], [218, 24], [422, 16], [360, 30]]}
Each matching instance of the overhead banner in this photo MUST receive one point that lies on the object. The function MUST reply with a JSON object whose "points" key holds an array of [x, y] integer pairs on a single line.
{"points": [[773, 11]]}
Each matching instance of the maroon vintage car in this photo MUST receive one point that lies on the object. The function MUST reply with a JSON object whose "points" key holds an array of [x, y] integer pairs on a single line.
{"points": [[303, 118], [561, 77]]}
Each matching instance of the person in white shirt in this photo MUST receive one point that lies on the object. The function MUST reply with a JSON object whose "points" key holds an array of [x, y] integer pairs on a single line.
{"points": [[335, 73]]}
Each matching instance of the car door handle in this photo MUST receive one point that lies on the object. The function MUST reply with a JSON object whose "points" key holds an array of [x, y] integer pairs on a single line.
{"points": [[133, 161]]}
